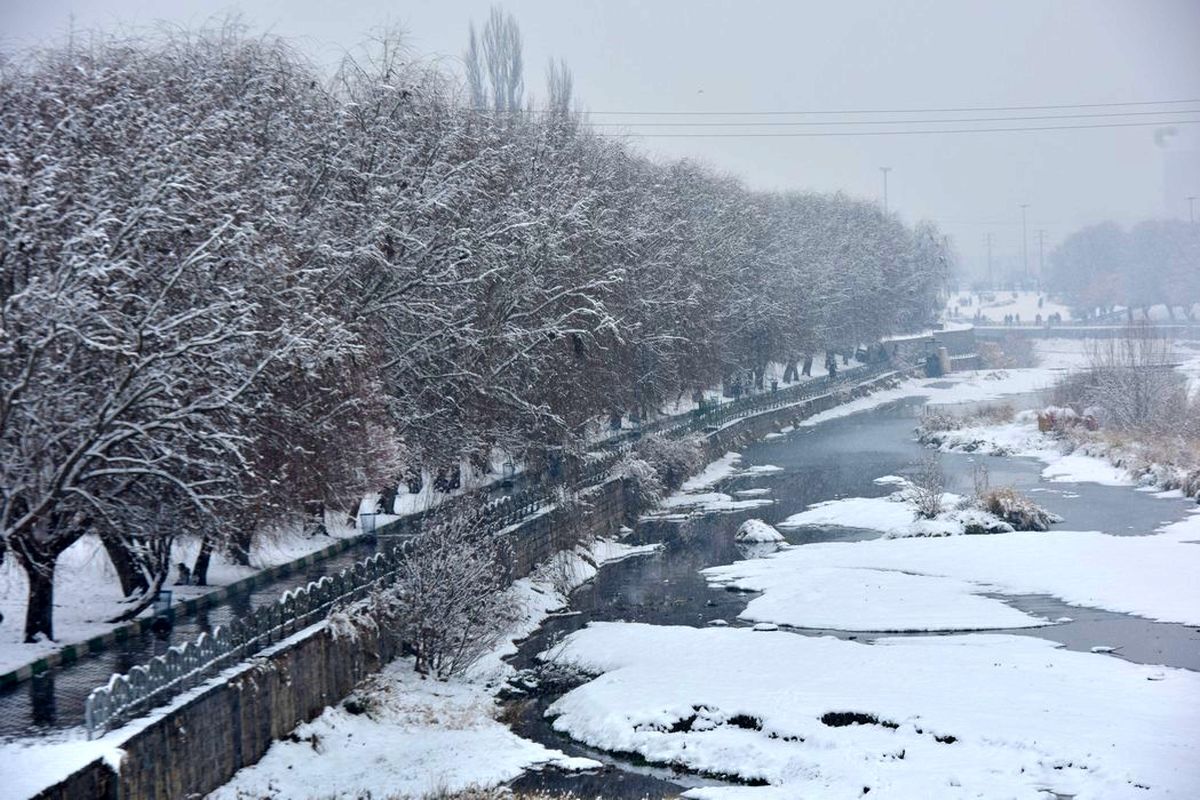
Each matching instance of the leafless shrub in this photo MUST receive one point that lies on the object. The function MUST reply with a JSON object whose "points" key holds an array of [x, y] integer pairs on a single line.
{"points": [[1131, 377], [981, 480], [937, 421], [997, 414], [449, 603], [643, 487], [928, 485], [673, 460]]}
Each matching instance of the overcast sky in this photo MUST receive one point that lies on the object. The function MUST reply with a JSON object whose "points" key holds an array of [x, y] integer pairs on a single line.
{"points": [[709, 56]]}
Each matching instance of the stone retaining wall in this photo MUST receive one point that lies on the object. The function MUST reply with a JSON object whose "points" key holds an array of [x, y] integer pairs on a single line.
{"points": [[198, 746]]}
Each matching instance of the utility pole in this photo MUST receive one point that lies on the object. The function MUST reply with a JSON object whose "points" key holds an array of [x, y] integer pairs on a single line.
{"points": [[1025, 241], [885, 171], [1192, 208], [989, 251], [1041, 255]]}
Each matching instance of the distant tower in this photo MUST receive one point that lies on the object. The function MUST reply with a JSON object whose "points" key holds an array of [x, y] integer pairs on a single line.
{"points": [[1180, 148]]}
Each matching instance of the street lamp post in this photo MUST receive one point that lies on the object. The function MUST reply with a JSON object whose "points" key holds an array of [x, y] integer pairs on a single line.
{"points": [[1192, 209], [1024, 241], [885, 171]]}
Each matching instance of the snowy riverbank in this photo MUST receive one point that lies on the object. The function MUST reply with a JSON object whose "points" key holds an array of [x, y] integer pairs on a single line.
{"points": [[402, 735]]}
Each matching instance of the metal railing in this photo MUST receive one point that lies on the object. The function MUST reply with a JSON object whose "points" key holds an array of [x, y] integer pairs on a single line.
{"points": [[184, 666]]}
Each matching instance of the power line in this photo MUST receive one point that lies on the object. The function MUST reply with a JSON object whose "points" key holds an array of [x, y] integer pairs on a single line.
{"points": [[808, 134], [947, 110], [889, 121]]}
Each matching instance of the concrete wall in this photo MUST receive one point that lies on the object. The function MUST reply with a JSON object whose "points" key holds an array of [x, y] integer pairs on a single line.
{"points": [[999, 333], [200, 745], [601, 512], [749, 429], [915, 349]]}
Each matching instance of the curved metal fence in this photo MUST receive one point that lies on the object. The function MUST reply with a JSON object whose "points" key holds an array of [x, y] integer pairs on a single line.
{"points": [[182, 667]]}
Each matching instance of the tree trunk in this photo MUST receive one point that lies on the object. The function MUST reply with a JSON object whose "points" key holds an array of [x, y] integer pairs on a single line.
{"points": [[1170, 312], [791, 373], [200, 570], [808, 362], [239, 546], [39, 614], [387, 499], [1129, 312], [129, 571]]}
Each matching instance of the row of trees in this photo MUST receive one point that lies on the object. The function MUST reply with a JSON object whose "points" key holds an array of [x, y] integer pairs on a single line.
{"points": [[234, 292], [1153, 263]]}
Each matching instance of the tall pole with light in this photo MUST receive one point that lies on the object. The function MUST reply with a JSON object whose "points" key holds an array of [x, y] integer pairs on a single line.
{"points": [[1041, 256], [885, 171], [1192, 208], [1025, 241]]}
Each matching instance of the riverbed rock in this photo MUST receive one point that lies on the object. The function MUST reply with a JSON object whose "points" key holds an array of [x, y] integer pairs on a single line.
{"points": [[755, 530]]}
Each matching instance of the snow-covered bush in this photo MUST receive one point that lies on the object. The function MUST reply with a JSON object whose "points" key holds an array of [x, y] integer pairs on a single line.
{"points": [[1017, 510], [938, 421], [643, 487], [1130, 384], [928, 485], [449, 603], [673, 460]]}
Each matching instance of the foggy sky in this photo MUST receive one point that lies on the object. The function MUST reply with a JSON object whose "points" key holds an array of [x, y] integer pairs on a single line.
{"points": [[692, 55]]}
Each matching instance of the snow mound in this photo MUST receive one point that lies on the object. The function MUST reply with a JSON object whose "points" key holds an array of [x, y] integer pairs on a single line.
{"points": [[755, 530]]}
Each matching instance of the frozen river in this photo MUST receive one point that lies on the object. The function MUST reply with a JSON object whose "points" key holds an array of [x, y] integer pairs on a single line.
{"points": [[836, 459]]}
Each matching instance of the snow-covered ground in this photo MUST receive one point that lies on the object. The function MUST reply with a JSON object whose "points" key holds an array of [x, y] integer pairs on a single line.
{"points": [[87, 592], [958, 387], [896, 515], [967, 716], [1003, 303], [420, 737], [888, 584], [417, 737]]}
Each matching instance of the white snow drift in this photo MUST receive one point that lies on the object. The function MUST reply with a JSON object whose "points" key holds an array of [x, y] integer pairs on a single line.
{"points": [[969, 716]]}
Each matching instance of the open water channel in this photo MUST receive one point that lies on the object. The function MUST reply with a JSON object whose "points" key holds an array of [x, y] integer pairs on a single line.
{"points": [[836, 459]]}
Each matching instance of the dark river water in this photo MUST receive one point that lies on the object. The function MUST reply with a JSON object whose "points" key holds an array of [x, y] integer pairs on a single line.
{"points": [[839, 458]]}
